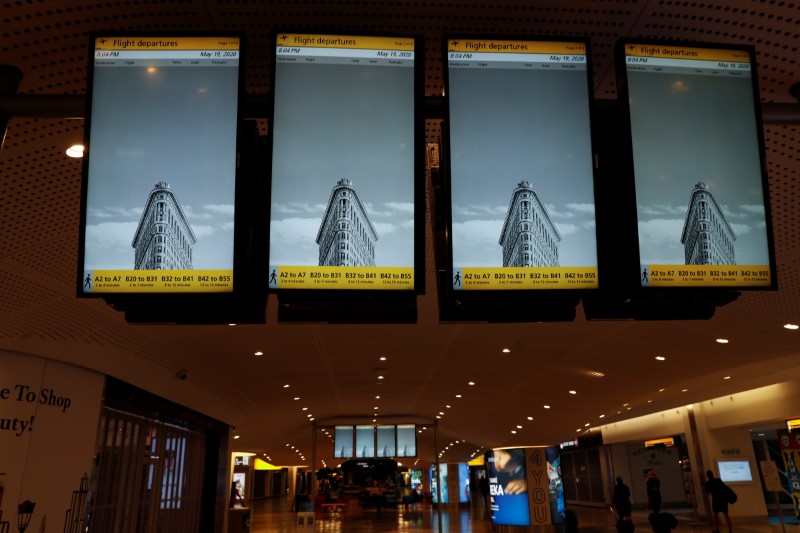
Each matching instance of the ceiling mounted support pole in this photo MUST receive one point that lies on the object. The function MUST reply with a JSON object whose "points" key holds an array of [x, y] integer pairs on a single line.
{"points": [[313, 460], [436, 470]]}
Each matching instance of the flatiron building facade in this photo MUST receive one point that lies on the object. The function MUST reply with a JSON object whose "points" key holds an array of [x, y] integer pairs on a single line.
{"points": [[163, 238], [346, 236], [707, 237], [529, 238]]}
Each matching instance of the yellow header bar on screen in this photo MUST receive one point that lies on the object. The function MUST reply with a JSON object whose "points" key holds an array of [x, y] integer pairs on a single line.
{"points": [[515, 47], [685, 52], [345, 41], [166, 43]]}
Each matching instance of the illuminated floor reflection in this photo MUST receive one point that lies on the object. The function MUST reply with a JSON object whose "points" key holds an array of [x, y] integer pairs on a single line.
{"points": [[276, 516]]}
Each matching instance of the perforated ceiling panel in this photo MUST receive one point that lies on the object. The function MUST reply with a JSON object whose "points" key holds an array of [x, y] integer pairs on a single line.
{"points": [[333, 368]]}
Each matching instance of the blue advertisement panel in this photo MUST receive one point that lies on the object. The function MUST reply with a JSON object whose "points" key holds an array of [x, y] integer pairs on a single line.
{"points": [[416, 478], [557, 509], [440, 484], [508, 488], [463, 483]]}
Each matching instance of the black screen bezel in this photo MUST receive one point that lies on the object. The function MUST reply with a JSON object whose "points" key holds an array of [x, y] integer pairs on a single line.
{"points": [[246, 302], [632, 270], [362, 300], [512, 305]]}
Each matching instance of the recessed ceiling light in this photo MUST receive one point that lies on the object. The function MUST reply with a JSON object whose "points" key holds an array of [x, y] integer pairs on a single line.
{"points": [[375, 407], [231, 324], [660, 358], [447, 406], [471, 383], [649, 401], [722, 341], [513, 431], [75, 151], [727, 377], [296, 398], [573, 392], [624, 405], [378, 397], [578, 430], [546, 406], [530, 418], [383, 359], [380, 377], [661, 390], [519, 427], [684, 390], [286, 386], [602, 416], [289, 444], [236, 436], [441, 412], [259, 353], [629, 408], [458, 396], [791, 326], [594, 373], [586, 425], [309, 415], [438, 416], [305, 408], [506, 350]]}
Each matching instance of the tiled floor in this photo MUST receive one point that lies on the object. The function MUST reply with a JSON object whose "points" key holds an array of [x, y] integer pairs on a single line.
{"points": [[276, 516]]}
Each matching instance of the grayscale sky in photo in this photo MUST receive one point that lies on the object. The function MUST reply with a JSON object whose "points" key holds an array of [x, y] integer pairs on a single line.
{"points": [[335, 121], [509, 125], [686, 129], [172, 124]]}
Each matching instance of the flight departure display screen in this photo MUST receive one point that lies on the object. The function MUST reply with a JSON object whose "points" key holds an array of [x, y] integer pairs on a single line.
{"points": [[343, 212], [343, 442], [160, 166], [701, 196], [521, 165]]}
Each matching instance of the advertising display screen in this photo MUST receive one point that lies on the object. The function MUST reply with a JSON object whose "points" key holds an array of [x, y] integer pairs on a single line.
{"points": [[521, 175], [416, 478], [463, 483], [697, 153], [345, 168], [160, 166], [508, 487], [440, 486], [365, 442], [343, 442], [406, 440], [386, 441], [555, 487]]}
